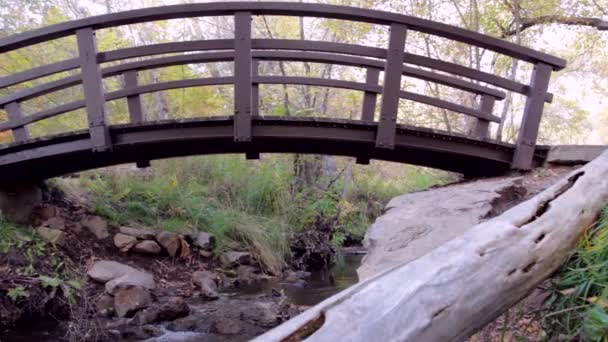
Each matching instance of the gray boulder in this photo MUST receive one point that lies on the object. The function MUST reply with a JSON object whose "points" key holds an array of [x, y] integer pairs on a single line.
{"points": [[118, 276], [170, 241], [231, 259], [129, 300], [416, 223], [140, 233], [53, 236], [208, 283], [204, 240], [147, 247], [124, 242], [96, 225]]}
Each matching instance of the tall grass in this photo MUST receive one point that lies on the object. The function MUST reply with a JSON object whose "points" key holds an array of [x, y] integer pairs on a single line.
{"points": [[577, 307], [249, 205]]}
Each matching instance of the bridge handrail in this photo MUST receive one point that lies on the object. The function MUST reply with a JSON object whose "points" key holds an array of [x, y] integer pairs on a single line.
{"points": [[246, 52], [215, 81], [280, 8], [222, 56], [284, 44]]}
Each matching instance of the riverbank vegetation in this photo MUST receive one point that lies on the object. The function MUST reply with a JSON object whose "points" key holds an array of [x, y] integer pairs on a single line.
{"points": [[254, 205], [578, 306]]}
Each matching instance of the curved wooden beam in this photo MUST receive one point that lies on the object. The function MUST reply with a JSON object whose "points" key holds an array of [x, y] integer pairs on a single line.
{"points": [[275, 8]]}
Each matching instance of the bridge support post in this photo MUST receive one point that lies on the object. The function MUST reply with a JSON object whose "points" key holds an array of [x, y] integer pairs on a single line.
{"points": [[243, 79], [369, 98], [93, 90], [136, 113], [528, 133], [387, 128], [482, 126], [14, 114], [255, 91]]}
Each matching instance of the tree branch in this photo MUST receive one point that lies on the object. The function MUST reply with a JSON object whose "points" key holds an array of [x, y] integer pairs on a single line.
{"points": [[527, 23]]}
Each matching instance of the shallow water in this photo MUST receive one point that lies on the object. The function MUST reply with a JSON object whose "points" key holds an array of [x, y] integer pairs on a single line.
{"points": [[320, 286], [324, 284]]}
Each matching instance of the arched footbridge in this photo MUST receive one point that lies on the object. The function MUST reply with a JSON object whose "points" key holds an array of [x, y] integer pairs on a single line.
{"points": [[248, 131]]}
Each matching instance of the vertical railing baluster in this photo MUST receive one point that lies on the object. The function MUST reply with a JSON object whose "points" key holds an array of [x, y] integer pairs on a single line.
{"points": [[243, 82], [93, 90], [368, 109], [482, 126], [392, 86], [136, 113], [15, 114], [255, 91], [533, 112]]}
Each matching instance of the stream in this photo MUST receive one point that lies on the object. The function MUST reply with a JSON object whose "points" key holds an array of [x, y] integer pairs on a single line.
{"points": [[320, 286]]}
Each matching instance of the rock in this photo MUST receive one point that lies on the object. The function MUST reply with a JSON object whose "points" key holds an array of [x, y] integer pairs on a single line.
{"points": [[170, 241], [55, 223], [231, 259], [96, 225], [123, 329], [146, 316], [105, 305], [137, 278], [227, 326], [106, 270], [129, 300], [118, 276], [263, 314], [173, 308], [205, 254], [140, 233], [246, 275], [205, 241], [18, 204], [147, 247], [194, 322], [574, 154], [53, 236], [47, 212], [416, 223], [124, 242], [295, 276], [207, 281]]}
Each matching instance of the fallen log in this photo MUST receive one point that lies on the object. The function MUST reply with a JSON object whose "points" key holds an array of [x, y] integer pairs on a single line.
{"points": [[455, 290]]}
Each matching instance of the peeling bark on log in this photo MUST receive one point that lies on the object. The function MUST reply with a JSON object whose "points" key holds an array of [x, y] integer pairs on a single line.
{"points": [[450, 293]]}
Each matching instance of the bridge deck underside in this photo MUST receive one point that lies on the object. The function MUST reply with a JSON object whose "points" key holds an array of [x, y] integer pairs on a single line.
{"points": [[47, 157]]}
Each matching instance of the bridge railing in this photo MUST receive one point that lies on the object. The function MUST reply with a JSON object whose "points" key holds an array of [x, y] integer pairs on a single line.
{"points": [[246, 53]]}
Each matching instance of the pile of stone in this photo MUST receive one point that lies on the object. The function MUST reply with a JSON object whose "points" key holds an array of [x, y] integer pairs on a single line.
{"points": [[52, 225], [127, 294], [146, 241]]}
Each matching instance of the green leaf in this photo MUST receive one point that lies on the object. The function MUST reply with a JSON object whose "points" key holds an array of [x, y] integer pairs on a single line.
{"points": [[50, 282], [75, 284], [17, 292]]}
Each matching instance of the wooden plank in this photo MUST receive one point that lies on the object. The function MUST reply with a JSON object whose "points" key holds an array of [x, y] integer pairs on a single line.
{"points": [[392, 87], [243, 79], [431, 101], [368, 109], [482, 126], [93, 90], [15, 115], [38, 72], [533, 112], [136, 113]]}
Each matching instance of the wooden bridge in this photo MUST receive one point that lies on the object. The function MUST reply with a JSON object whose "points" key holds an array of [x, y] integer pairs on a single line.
{"points": [[249, 131]]}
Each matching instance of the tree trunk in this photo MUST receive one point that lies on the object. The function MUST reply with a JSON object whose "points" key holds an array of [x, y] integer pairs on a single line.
{"points": [[453, 291]]}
